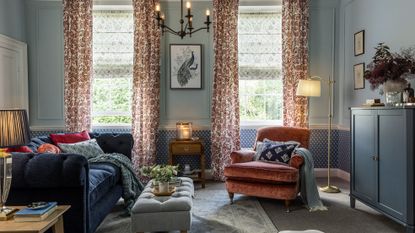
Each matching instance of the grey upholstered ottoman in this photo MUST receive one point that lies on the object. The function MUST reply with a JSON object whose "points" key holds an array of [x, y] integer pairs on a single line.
{"points": [[164, 213]]}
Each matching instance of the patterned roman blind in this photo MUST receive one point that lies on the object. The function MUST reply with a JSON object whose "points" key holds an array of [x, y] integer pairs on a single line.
{"points": [[113, 51], [259, 35], [113, 44]]}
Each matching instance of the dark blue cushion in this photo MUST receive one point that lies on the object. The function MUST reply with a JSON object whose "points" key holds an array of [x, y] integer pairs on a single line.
{"points": [[111, 168], [277, 152], [100, 182]]}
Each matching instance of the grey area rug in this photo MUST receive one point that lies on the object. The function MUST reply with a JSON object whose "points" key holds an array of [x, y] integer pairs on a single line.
{"points": [[212, 213], [339, 218]]}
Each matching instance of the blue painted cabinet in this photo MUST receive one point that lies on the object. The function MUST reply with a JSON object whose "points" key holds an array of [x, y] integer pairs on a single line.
{"points": [[382, 161]]}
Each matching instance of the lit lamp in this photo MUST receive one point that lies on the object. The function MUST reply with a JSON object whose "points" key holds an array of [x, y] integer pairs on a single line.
{"points": [[14, 131], [184, 130], [312, 87]]}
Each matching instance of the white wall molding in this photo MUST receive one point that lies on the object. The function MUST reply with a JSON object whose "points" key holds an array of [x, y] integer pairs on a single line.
{"points": [[14, 86]]}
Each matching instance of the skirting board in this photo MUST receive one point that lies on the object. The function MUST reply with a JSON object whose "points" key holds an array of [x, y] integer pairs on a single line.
{"points": [[319, 172]]}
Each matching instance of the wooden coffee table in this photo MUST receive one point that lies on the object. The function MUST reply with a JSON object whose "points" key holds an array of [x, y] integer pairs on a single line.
{"points": [[54, 221]]}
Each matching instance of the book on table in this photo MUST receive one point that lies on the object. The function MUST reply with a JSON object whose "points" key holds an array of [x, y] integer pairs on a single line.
{"points": [[34, 215]]}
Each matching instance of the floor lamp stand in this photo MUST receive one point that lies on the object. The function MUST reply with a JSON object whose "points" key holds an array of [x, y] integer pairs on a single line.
{"points": [[329, 188]]}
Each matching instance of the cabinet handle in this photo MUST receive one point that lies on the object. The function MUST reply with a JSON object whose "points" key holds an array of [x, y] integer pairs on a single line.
{"points": [[186, 148], [375, 158]]}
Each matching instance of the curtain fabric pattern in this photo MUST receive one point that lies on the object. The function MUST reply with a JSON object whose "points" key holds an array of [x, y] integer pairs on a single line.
{"points": [[295, 24], [225, 100], [77, 26], [146, 83]]}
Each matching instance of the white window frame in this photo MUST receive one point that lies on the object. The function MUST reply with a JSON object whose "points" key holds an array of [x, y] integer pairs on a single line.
{"points": [[245, 7]]}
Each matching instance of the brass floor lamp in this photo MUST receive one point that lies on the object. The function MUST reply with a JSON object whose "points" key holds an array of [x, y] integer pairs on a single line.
{"points": [[312, 88]]}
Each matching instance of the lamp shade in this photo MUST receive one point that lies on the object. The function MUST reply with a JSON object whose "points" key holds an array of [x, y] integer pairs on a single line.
{"points": [[309, 87], [14, 128]]}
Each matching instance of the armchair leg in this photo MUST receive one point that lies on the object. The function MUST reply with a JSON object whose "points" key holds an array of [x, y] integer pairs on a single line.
{"points": [[287, 205], [231, 197]]}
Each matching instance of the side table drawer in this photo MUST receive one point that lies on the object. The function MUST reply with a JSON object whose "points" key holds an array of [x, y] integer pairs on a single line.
{"points": [[186, 149]]}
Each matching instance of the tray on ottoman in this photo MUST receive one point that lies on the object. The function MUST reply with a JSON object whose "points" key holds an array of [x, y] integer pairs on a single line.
{"points": [[164, 213]]}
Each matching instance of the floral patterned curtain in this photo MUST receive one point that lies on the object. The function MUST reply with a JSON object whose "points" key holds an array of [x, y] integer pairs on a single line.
{"points": [[146, 83], [225, 100], [295, 24], [77, 26]]}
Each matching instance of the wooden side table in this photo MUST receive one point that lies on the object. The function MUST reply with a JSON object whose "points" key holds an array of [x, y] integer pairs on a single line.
{"points": [[54, 221], [189, 148]]}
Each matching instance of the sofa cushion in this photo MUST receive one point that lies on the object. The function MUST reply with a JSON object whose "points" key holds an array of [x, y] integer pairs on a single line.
{"points": [[257, 171], [48, 148], [69, 137], [89, 149], [101, 180], [109, 167]]}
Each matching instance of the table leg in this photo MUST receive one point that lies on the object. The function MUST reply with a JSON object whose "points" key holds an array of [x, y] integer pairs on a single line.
{"points": [[58, 227], [202, 168]]}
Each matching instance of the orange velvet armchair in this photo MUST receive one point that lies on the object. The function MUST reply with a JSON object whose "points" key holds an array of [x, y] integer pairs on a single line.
{"points": [[269, 180]]}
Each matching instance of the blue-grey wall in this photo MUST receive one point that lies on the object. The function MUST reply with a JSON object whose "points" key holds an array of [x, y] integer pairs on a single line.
{"points": [[188, 105], [12, 19], [45, 44], [391, 22]]}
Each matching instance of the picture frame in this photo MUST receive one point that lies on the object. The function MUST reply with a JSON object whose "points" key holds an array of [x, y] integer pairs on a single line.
{"points": [[186, 66], [358, 74], [359, 43]]}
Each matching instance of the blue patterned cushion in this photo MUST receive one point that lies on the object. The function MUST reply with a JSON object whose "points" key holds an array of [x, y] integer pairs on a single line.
{"points": [[277, 152], [89, 148]]}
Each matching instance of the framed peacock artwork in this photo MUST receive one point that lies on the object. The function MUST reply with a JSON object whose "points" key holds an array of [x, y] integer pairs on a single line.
{"points": [[186, 66]]}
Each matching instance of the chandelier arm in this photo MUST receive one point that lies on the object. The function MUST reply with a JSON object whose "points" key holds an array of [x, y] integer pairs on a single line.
{"points": [[168, 29], [193, 31]]}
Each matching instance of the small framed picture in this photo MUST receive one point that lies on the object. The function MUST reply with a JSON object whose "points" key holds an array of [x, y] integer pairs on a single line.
{"points": [[359, 73], [359, 43], [186, 66]]}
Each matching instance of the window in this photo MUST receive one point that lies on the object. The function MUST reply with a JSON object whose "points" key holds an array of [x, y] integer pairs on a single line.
{"points": [[260, 82], [113, 38]]}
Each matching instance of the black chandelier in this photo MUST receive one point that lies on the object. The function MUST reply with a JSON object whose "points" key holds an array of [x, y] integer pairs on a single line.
{"points": [[184, 29]]}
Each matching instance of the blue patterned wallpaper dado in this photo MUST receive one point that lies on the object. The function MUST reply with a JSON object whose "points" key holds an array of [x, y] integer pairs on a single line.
{"points": [[340, 146]]}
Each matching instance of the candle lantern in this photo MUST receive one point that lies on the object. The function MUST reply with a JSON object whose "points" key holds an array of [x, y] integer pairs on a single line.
{"points": [[184, 130]]}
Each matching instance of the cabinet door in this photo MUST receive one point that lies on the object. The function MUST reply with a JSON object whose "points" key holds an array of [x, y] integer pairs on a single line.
{"points": [[392, 163], [364, 141]]}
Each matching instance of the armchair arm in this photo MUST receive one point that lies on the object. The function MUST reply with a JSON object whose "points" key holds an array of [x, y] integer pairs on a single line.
{"points": [[296, 161], [49, 170], [242, 156]]}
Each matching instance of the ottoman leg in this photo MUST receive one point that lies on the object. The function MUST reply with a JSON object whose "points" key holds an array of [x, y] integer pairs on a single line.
{"points": [[231, 197]]}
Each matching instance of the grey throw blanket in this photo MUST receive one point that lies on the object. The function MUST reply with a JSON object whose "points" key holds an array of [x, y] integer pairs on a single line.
{"points": [[132, 187], [308, 186]]}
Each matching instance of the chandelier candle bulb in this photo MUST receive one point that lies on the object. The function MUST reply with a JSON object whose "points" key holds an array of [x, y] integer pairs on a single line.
{"points": [[158, 7], [207, 12], [188, 5]]}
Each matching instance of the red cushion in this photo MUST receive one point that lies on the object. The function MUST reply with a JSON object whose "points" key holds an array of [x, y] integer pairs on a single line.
{"points": [[70, 137], [262, 172], [48, 148], [22, 149]]}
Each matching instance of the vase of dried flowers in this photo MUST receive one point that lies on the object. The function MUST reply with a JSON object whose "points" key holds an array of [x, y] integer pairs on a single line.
{"points": [[390, 72]]}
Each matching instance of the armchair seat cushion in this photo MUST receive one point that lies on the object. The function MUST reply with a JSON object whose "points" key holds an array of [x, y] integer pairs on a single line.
{"points": [[257, 171]]}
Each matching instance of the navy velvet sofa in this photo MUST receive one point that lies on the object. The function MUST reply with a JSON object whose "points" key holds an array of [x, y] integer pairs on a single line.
{"points": [[91, 190]]}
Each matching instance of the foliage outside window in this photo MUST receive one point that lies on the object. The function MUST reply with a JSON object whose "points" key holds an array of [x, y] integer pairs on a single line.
{"points": [[113, 34], [260, 82]]}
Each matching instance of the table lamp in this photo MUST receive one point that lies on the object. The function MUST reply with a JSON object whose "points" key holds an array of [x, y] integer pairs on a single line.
{"points": [[14, 131], [184, 130], [312, 87]]}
